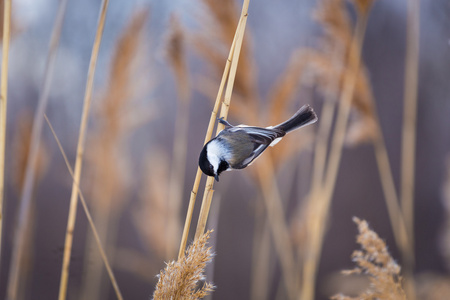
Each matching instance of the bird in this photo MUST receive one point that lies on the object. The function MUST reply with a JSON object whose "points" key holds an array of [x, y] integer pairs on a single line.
{"points": [[236, 147]]}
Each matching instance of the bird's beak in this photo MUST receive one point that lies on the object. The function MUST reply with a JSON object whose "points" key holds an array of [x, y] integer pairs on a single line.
{"points": [[216, 177]]}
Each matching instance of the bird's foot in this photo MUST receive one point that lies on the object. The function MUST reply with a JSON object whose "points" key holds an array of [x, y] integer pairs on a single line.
{"points": [[224, 122]]}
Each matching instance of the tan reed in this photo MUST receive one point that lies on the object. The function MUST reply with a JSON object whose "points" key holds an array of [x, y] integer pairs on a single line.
{"points": [[88, 215], [20, 237], [204, 210], [3, 103], [211, 124], [325, 194], [80, 152]]}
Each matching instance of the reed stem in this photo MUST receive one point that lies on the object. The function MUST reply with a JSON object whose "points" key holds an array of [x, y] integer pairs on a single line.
{"points": [[3, 104], [198, 175], [409, 132], [88, 216], [27, 188], [211, 124], [278, 226], [80, 152], [325, 194], [204, 210]]}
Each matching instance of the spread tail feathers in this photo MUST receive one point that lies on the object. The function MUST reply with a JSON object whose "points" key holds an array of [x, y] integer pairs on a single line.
{"points": [[304, 116]]}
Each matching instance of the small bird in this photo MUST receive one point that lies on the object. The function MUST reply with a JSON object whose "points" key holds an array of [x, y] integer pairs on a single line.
{"points": [[236, 147]]}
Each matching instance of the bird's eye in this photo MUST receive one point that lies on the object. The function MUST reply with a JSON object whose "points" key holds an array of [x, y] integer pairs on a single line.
{"points": [[211, 167]]}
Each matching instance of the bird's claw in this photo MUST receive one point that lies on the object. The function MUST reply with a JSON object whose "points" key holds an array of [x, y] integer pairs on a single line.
{"points": [[224, 122]]}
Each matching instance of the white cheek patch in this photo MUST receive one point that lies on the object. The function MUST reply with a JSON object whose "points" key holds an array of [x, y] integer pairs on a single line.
{"points": [[212, 151]]}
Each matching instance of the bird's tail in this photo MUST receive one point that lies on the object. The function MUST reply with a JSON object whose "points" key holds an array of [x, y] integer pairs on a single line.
{"points": [[304, 116]]}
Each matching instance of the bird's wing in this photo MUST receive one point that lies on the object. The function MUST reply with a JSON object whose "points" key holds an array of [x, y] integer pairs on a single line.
{"points": [[255, 154], [260, 135]]}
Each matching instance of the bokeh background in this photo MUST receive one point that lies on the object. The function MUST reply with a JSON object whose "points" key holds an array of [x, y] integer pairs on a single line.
{"points": [[157, 75]]}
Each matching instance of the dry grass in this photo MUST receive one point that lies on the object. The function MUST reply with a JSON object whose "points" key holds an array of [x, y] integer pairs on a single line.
{"points": [[88, 215], [180, 279], [6, 24], [432, 286], [177, 59], [207, 196], [322, 197], [152, 214], [248, 108], [335, 70], [375, 261], [21, 145], [106, 159], [22, 233], [80, 152], [227, 77], [409, 133]]}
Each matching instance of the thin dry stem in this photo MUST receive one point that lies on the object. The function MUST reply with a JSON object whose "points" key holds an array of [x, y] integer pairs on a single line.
{"points": [[280, 232], [88, 216], [212, 122], [409, 134], [106, 159], [176, 181], [224, 112], [261, 262], [33, 155], [80, 152], [325, 195], [3, 104]]}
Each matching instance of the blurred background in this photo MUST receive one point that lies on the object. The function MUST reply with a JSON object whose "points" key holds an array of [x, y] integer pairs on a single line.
{"points": [[157, 76]]}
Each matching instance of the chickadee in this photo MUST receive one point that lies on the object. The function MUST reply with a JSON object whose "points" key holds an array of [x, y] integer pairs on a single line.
{"points": [[236, 147]]}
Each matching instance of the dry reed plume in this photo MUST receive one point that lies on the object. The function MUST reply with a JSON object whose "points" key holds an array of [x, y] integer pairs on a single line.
{"points": [[375, 261], [180, 279]]}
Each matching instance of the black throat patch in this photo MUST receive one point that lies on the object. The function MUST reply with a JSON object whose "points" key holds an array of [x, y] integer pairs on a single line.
{"points": [[223, 166]]}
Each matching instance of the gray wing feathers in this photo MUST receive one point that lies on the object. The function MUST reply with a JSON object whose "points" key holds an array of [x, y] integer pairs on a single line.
{"points": [[258, 134]]}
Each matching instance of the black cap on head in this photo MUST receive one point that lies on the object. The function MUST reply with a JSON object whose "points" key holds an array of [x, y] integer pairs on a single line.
{"points": [[204, 163]]}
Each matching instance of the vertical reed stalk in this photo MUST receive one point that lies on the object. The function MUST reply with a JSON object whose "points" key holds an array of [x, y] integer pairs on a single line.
{"points": [[324, 196], [198, 175], [88, 216], [209, 131], [239, 36], [261, 262], [280, 232], [204, 211], [320, 150], [176, 182], [80, 151], [27, 188], [390, 195], [409, 131], [3, 104]]}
